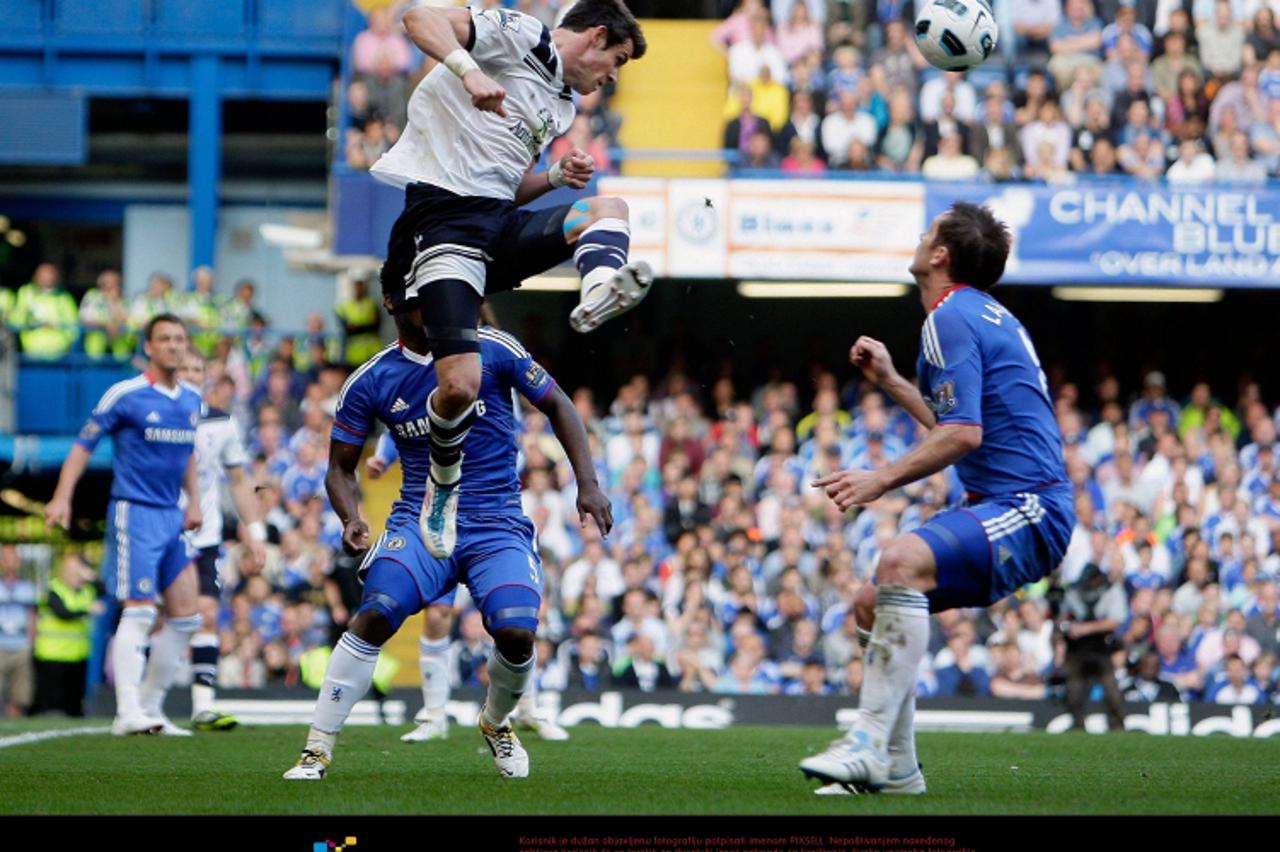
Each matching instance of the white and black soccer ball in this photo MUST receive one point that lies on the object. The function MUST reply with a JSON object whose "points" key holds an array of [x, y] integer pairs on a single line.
{"points": [[956, 35]]}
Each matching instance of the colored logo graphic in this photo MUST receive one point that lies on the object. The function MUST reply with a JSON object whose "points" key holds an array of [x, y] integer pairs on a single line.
{"points": [[333, 846]]}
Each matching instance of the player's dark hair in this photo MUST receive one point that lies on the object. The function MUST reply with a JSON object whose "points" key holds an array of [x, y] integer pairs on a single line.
{"points": [[978, 243], [613, 16], [159, 318]]}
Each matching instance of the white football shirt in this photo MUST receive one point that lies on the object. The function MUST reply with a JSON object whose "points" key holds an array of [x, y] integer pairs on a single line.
{"points": [[218, 447], [450, 144]]}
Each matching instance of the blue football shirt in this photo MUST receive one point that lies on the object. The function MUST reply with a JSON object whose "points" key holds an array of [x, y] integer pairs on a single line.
{"points": [[154, 430], [977, 366], [393, 386]]}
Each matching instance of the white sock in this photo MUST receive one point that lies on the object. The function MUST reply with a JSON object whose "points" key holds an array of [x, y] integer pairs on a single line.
{"points": [[433, 662], [898, 641], [902, 741], [600, 251], [506, 684], [169, 648], [346, 681], [527, 706], [128, 657]]}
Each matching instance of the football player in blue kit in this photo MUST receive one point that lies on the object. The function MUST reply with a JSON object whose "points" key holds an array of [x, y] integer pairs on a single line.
{"points": [[152, 419], [496, 554], [986, 404]]}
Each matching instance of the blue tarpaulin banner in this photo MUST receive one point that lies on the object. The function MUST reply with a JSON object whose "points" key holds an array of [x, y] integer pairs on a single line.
{"points": [[1132, 233]]}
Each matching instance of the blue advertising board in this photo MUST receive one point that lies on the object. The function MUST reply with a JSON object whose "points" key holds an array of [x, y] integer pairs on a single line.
{"points": [[1132, 233]]}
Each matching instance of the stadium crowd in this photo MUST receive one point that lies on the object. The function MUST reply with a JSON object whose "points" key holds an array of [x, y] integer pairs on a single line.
{"points": [[1188, 90]]}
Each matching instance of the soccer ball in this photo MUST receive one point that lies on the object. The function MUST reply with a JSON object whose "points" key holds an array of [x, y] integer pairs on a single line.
{"points": [[956, 35]]}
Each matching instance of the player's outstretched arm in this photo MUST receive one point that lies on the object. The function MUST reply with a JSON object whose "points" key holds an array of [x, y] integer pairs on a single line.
{"points": [[942, 447], [573, 170], [572, 434], [340, 483], [57, 512], [441, 33], [872, 358], [247, 509]]}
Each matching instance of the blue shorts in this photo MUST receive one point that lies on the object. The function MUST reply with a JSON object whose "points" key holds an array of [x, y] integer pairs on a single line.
{"points": [[988, 551], [496, 556], [144, 550]]}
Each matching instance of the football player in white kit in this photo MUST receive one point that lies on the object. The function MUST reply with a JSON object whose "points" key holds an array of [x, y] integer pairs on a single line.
{"points": [[218, 449], [477, 124]]}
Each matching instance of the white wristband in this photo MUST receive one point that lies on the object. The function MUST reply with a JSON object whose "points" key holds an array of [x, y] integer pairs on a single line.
{"points": [[460, 62], [555, 175], [258, 531]]}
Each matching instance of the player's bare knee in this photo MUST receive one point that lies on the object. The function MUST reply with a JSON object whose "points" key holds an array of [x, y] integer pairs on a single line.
{"points": [[864, 607], [514, 643], [905, 564], [371, 626], [609, 207]]}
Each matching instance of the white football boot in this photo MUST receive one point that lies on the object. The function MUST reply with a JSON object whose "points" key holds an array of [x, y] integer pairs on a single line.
{"points": [[853, 760], [542, 726], [438, 519], [123, 726], [908, 785], [311, 766], [628, 287], [435, 726], [508, 755], [168, 729]]}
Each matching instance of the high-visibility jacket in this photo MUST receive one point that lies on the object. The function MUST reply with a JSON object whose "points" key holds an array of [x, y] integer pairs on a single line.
{"points": [[359, 319], [65, 640], [49, 319]]}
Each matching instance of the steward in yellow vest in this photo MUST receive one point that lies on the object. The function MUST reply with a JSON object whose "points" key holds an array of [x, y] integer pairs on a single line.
{"points": [[62, 638]]}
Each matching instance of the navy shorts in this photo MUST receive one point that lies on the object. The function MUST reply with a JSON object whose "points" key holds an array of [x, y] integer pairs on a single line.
{"points": [[144, 550], [489, 243], [496, 556], [988, 551]]}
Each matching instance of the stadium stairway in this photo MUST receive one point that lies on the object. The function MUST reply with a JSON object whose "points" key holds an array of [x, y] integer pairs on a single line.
{"points": [[681, 67]]}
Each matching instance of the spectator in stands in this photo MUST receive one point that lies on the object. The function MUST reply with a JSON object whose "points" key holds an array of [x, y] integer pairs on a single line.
{"points": [[1166, 68], [771, 100], [798, 33], [1236, 686], [944, 124], [1076, 41], [359, 318], [640, 668], [46, 315], [240, 308], [1222, 43], [962, 668], [1141, 151], [1265, 138], [803, 124], [1033, 23], [1048, 128], [1096, 128], [388, 91], [993, 131], [1075, 100], [1238, 166], [844, 126], [950, 162], [846, 76], [364, 148], [1126, 24], [1027, 101], [105, 318], [1146, 685], [749, 55], [896, 57], [802, 159], [1203, 11], [158, 298], [17, 633], [1193, 166], [900, 148], [1241, 97], [738, 132], [1187, 113], [951, 83], [1263, 38], [737, 27], [384, 37]]}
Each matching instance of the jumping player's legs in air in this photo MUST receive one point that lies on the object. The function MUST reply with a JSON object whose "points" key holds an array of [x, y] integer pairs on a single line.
{"points": [[962, 558]]}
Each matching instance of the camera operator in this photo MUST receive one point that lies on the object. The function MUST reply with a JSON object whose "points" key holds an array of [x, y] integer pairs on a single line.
{"points": [[1092, 610]]}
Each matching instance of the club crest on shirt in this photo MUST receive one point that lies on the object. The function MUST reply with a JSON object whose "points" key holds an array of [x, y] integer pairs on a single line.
{"points": [[943, 399], [509, 20], [396, 542], [90, 431]]}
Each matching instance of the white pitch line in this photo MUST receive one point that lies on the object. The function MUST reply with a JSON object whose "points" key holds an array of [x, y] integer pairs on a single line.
{"points": [[38, 736]]}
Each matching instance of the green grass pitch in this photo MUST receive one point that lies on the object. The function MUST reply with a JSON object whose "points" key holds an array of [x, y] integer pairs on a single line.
{"points": [[744, 770]]}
